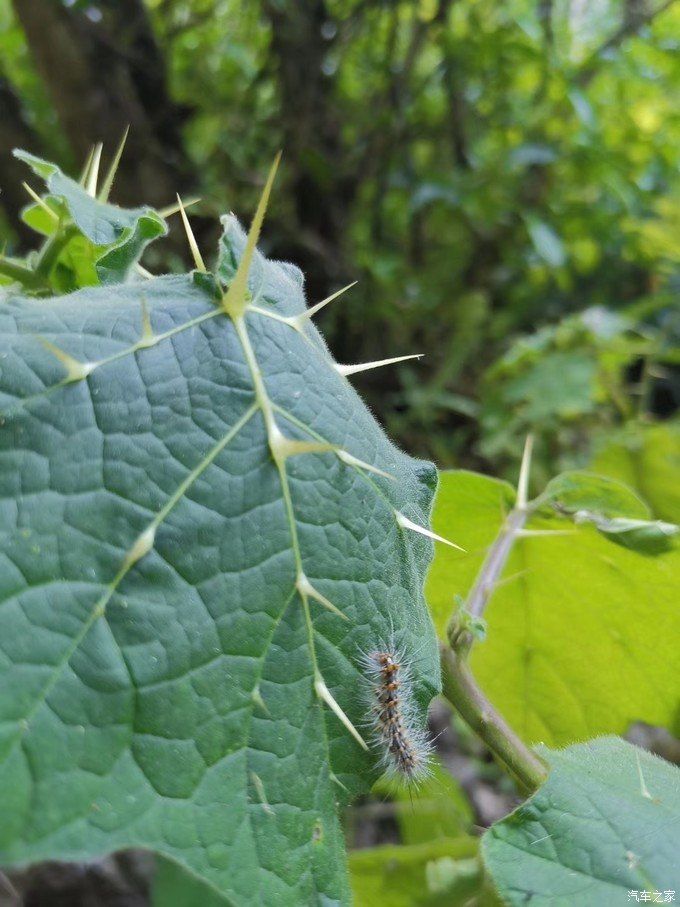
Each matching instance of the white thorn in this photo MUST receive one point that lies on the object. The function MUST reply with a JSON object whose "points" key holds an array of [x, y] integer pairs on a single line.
{"points": [[325, 695], [523, 483], [311, 312], [347, 370], [259, 788], [174, 209], [335, 778], [291, 321], [353, 461], [405, 523], [113, 169], [234, 301], [283, 447], [82, 179], [644, 790], [144, 272], [305, 588], [141, 547], [148, 337], [41, 202], [256, 696], [75, 371], [193, 245], [93, 174]]}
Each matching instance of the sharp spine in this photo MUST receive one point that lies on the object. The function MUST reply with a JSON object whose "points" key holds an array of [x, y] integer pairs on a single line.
{"points": [[351, 460], [141, 547], [326, 696], [41, 202], [405, 523], [193, 245], [347, 370], [234, 301], [113, 168], [304, 587], [75, 370], [174, 209], [523, 482], [93, 173], [311, 312], [148, 337]]}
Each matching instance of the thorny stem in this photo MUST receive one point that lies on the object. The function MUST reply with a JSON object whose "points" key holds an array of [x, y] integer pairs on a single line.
{"points": [[463, 692], [496, 558], [52, 250], [495, 561], [460, 686]]}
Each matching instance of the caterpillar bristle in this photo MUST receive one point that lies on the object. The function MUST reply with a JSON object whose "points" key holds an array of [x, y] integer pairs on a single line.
{"points": [[392, 717]]}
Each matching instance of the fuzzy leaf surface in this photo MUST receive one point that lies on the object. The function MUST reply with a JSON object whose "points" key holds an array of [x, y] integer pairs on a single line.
{"points": [[606, 822], [156, 688]]}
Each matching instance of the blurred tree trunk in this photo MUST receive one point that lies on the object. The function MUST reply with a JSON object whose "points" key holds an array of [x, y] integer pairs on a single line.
{"points": [[322, 187], [103, 76], [15, 133]]}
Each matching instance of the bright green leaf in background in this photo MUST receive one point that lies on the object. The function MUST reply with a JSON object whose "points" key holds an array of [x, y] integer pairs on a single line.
{"points": [[575, 491], [606, 822], [437, 808], [570, 385], [648, 459], [420, 875], [613, 508], [582, 632]]}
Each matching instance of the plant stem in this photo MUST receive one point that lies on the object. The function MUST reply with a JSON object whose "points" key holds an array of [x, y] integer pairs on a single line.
{"points": [[52, 249], [460, 686], [23, 275], [462, 691], [495, 561]]}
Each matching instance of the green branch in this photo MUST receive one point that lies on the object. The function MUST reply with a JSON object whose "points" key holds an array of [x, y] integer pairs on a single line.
{"points": [[19, 272], [459, 684], [462, 691]]}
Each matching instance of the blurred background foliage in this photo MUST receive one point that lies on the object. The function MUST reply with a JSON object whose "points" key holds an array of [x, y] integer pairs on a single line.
{"points": [[501, 178]]}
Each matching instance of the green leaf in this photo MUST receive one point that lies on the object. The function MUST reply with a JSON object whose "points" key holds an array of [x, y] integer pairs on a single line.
{"points": [[546, 242], [117, 236], [605, 823], [575, 620], [651, 536], [647, 459], [422, 875], [611, 507], [163, 683], [579, 490], [173, 886], [38, 219]]}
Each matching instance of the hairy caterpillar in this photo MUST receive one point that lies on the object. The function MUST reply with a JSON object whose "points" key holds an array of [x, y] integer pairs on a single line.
{"points": [[393, 721]]}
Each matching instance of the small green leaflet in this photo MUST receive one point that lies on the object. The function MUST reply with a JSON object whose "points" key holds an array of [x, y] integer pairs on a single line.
{"points": [[116, 236]]}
